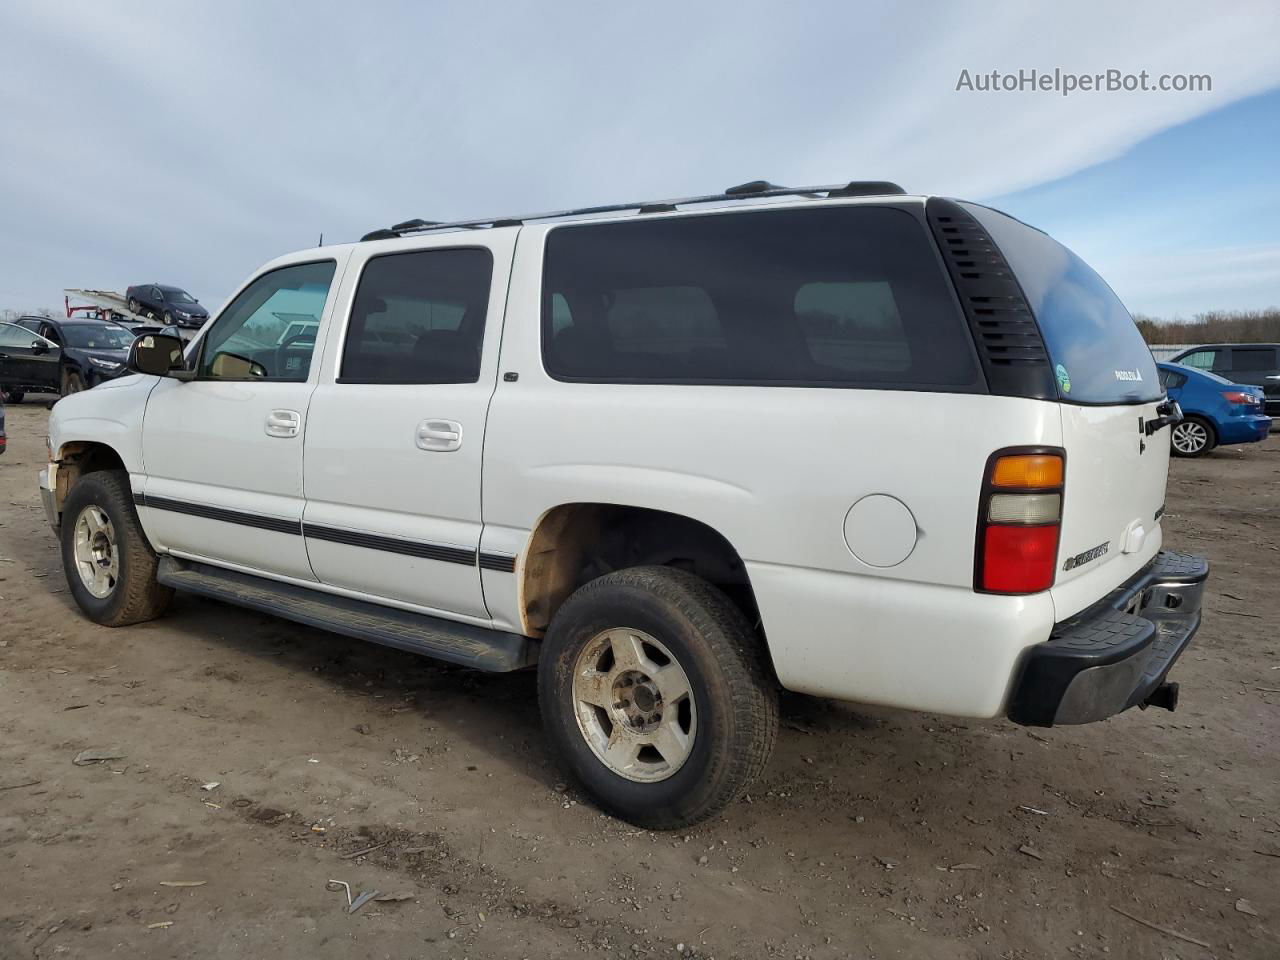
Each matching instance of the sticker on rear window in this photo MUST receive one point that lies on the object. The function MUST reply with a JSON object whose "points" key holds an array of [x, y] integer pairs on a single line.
{"points": [[1064, 379]]}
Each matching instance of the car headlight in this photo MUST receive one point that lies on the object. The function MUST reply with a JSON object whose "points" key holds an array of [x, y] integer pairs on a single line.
{"points": [[105, 364]]}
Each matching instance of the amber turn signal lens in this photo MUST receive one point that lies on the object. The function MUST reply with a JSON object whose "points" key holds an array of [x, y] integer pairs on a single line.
{"points": [[1031, 471]]}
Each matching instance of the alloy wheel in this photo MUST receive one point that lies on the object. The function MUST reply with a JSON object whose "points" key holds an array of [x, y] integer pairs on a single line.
{"points": [[96, 553], [1190, 437], [634, 705]]}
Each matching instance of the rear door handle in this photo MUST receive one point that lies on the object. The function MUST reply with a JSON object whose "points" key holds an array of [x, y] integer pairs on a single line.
{"points": [[283, 423], [439, 436]]}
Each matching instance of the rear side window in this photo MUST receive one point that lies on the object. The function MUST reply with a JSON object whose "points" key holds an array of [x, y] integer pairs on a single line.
{"points": [[419, 318], [1099, 356], [1252, 359], [841, 296]]}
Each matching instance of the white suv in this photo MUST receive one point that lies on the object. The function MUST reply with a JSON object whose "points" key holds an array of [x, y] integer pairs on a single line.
{"points": [[840, 440]]}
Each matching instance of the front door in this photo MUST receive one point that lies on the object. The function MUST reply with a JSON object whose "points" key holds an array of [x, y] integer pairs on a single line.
{"points": [[223, 452], [27, 359], [396, 429]]}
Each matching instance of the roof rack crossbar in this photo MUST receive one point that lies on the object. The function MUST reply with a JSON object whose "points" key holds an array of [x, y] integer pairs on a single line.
{"points": [[748, 191]]}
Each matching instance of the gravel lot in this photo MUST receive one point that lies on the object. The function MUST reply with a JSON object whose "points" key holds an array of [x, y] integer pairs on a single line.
{"points": [[874, 833]]}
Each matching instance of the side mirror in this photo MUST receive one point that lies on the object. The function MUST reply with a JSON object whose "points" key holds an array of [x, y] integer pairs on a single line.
{"points": [[155, 354], [39, 347]]}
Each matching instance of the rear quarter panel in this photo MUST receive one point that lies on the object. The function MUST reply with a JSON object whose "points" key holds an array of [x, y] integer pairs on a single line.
{"points": [[776, 470]]}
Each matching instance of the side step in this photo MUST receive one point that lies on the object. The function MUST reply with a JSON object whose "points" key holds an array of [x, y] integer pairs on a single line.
{"points": [[493, 650]]}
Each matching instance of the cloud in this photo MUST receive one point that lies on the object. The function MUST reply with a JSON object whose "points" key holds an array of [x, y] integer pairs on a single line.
{"points": [[189, 143]]}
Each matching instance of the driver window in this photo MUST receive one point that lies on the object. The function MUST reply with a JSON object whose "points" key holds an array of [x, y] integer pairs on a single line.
{"points": [[269, 331]]}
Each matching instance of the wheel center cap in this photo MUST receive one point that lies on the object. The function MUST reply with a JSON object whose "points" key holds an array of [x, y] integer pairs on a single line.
{"points": [[645, 698]]}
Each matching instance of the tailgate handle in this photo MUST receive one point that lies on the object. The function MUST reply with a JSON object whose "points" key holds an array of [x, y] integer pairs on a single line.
{"points": [[1169, 412]]}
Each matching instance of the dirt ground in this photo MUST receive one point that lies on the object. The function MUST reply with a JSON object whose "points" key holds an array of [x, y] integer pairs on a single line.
{"points": [[873, 833]]}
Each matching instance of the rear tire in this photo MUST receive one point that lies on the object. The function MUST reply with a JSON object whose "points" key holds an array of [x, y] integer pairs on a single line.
{"points": [[110, 567], [656, 694], [12, 394], [133, 306], [1193, 437]]}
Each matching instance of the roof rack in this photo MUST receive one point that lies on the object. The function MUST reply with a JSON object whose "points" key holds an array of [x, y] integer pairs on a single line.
{"points": [[743, 191]]}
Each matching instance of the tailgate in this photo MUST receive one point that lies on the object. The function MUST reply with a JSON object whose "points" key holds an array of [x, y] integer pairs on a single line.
{"points": [[1112, 502]]}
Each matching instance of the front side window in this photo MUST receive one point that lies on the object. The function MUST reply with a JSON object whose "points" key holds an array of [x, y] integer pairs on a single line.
{"points": [[836, 296], [419, 318], [246, 342], [14, 336]]}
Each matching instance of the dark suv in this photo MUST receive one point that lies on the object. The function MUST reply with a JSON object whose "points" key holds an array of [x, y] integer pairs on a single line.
{"points": [[1252, 363], [40, 354], [173, 305]]}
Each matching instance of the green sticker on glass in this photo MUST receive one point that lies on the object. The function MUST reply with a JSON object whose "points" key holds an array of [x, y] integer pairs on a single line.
{"points": [[1064, 379]]}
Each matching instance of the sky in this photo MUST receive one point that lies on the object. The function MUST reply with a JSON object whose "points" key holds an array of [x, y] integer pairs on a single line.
{"points": [[189, 143]]}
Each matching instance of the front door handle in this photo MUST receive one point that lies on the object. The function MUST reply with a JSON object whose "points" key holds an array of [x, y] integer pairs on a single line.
{"points": [[283, 423], [439, 436]]}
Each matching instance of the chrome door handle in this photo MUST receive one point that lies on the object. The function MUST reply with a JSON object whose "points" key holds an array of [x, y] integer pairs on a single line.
{"points": [[283, 423], [439, 436]]}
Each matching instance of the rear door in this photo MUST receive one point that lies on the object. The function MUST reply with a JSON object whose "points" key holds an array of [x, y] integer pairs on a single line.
{"points": [[1257, 366], [1109, 388], [397, 424]]}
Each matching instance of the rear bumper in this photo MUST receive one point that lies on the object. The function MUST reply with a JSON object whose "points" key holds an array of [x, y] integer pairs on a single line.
{"points": [[1245, 429], [1115, 654]]}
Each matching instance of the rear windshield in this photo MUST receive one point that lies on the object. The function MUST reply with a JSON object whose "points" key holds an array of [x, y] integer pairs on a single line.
{"points": [[1098, 355], [840, 296]]}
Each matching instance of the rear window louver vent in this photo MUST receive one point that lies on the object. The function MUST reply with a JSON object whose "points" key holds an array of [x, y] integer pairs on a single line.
{"points": [[1004, 330]]}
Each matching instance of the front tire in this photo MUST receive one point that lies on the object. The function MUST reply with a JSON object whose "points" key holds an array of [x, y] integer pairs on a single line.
{"points": [[1193, 437], [655, 693], [72, 382], [110, 567]]}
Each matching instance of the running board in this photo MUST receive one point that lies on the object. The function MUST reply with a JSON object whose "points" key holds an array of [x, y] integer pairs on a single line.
{"points": [[478, 647]]}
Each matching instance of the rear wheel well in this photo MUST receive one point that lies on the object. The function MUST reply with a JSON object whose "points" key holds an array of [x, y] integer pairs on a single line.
{"points": [[578, 542]]}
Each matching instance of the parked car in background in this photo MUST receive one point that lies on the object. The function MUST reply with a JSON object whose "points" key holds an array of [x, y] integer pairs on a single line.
{"points": [[1256, 364], [1214, 410], [170, 305], [28, 361], [42, 354], [4, 439]]}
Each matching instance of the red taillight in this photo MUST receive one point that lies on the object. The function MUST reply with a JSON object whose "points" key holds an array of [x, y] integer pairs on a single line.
{"points": [[1019, 519], [1239, 396], [1019, 559]]}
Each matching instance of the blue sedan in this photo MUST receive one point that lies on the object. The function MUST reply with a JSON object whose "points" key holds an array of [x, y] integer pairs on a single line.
{"points": [[1215, 410]]}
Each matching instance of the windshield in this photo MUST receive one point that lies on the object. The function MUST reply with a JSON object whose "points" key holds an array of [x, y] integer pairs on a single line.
{"points": [[1099, 356], [180, 296], [96, 336]]}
